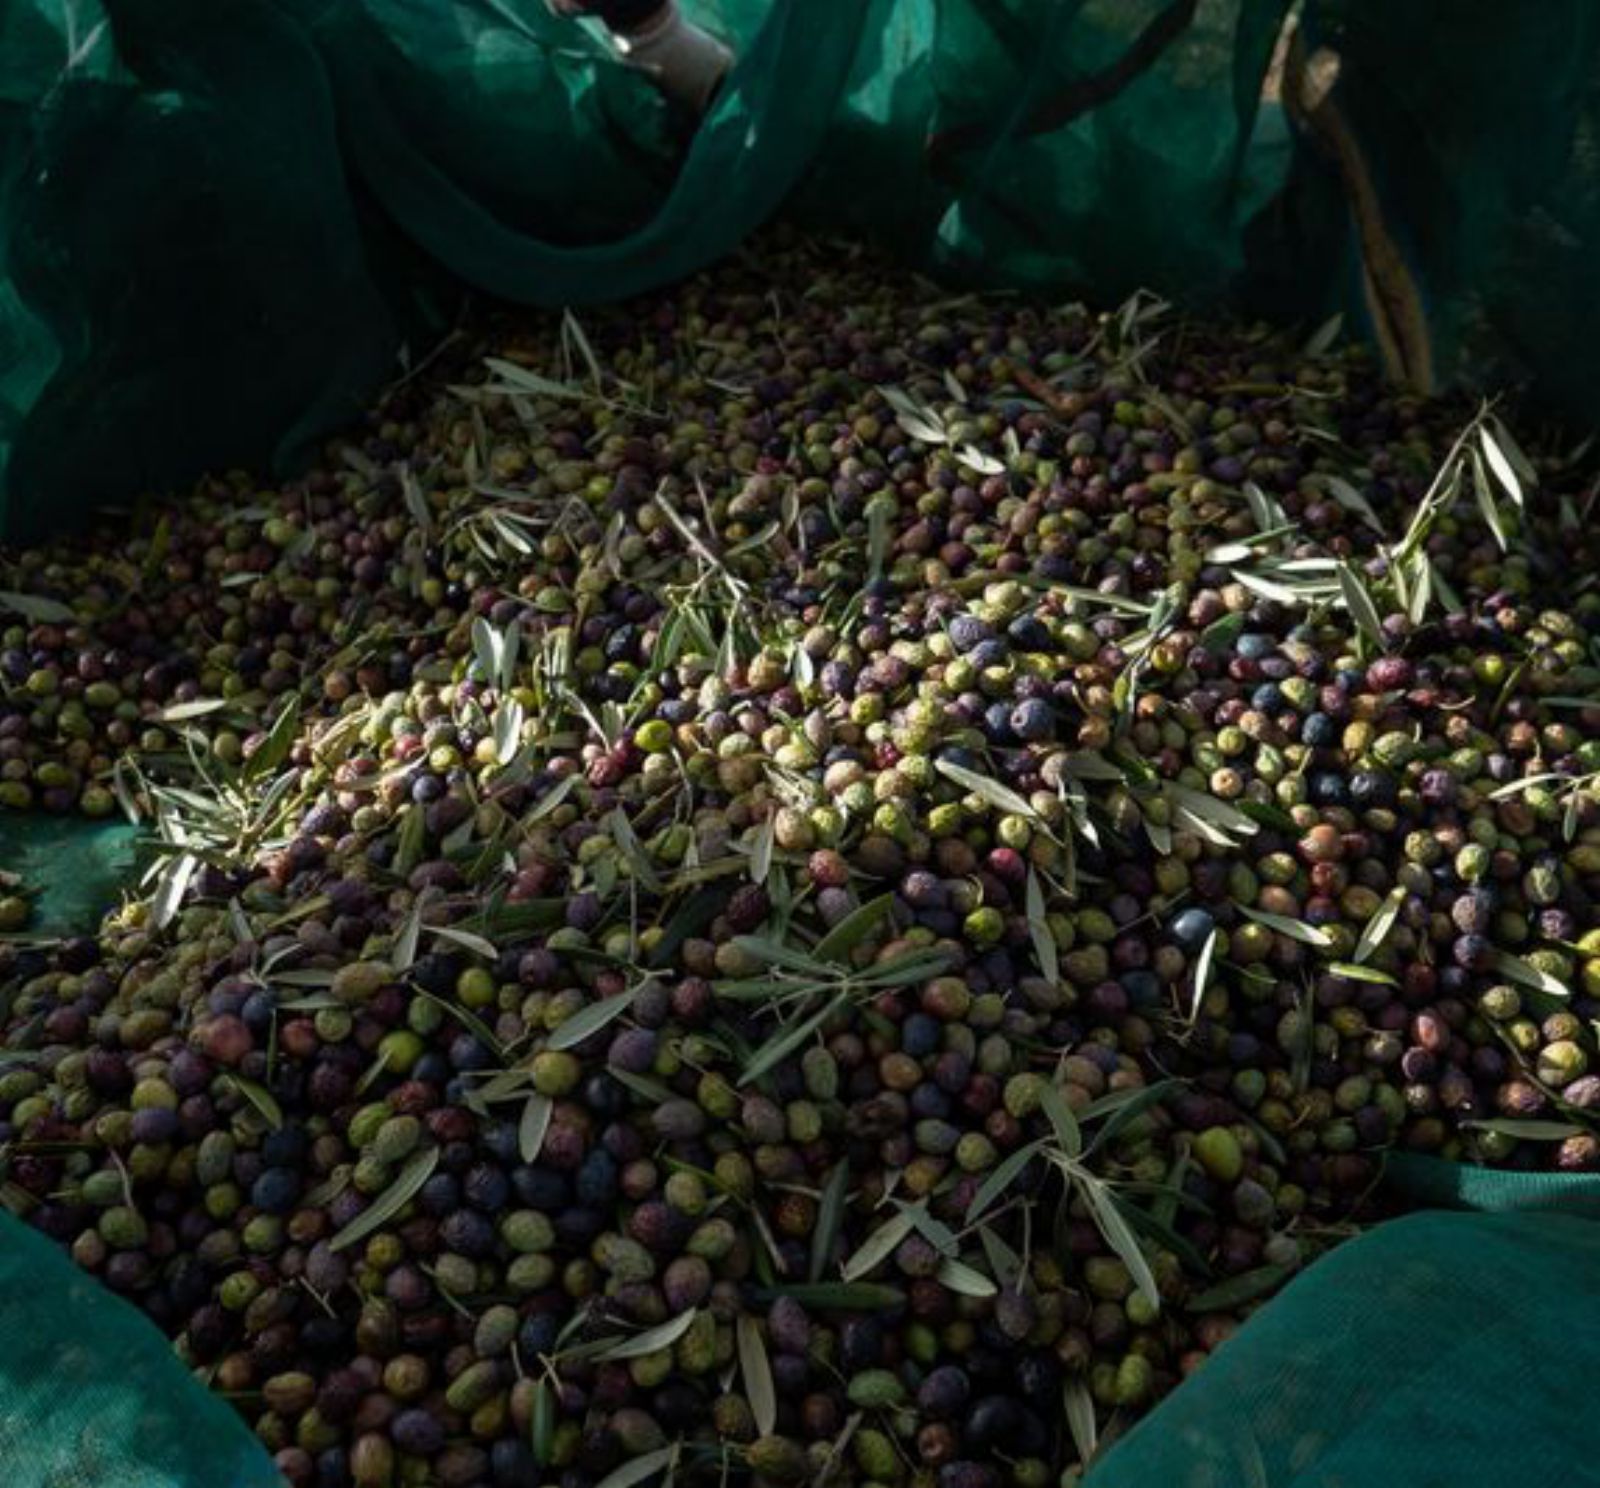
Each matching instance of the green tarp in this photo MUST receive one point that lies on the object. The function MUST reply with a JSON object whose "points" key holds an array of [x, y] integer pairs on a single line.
{"points": [[91, 1394], [1442, 1350]]}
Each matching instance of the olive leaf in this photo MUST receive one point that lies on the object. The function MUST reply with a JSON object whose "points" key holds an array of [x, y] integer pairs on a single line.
{"points": [[466, 940], [508, 721], [1044, 941], [542, 1423], [1006, 1264], [534, 1124], [830, 1219], [965, 1280], [1360, 604], [588, 1020], [663, 1459], [1306, 934], [1237, 1290], [274, 749], [1077, 1405], [1504, 471], [519, 379], [975, 458], [917, 419], [842, 1296], [761, 852], [779, 1048], [757, 1372], [1377, 929], [881, 1243], [1202, 974], [551, 800], [992, 791], [198, 708], [1515, 969], [1350, 499], [268, 1108], [628, 844], [1358, 973], [1529, 1131], [1059, 1114], [403, 954], [407, 1184], [1121, 1106], [37, 608], [651, 1341], [1117, 1233], [854, 928], [1322, 339], [1219, 636], [1002, 1178], [174, 882], [411, 842]]}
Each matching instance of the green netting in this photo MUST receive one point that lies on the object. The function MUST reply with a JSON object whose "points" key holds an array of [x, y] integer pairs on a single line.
{"points": [[72, 869], [1445, 1348], [91, 1395], [219, 224]]}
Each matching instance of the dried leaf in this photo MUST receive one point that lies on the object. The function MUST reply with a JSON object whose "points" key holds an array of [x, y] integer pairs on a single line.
{"points": [[519, 379], [407, 1184], [756, 1369]]}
